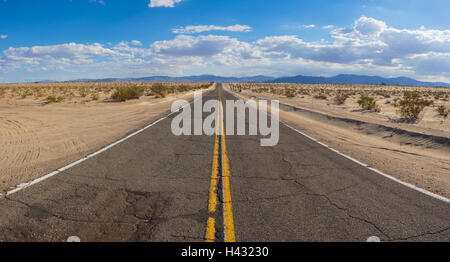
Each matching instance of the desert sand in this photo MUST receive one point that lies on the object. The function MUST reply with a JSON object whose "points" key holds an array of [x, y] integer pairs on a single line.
{"points": [[415, 152], [37, 138]]}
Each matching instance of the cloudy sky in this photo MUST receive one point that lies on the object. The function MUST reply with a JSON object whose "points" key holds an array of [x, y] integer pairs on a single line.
{"points": [[70, 39]]}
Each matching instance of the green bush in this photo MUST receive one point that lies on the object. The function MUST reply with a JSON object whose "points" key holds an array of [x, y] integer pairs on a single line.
{"points": [[126, 93], [412, 104], [368, 103]]}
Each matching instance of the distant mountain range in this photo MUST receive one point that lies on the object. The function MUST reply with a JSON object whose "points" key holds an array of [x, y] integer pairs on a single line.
{"points": [[356, 79], [200, 78], [339, 79]]}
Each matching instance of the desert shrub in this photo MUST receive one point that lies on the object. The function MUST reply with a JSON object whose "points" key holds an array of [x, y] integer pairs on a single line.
{"points": [[368, 103], [385, 94], [94, 97], [395, 102], [184, 88], [443, 110], [51, 99], [320, 96], [304, 92], [412, 104], [340, 98], [440, 95], [83, 92], [126, 93], [158, 88], [54, 99], [289, 92]]}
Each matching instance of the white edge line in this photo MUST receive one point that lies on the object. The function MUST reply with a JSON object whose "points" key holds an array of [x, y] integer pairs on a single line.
{"points": [[42, 178], [446, 200]]}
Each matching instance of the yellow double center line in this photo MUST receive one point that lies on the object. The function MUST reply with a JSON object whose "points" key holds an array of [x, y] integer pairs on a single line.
{"points": [[221, 171]]}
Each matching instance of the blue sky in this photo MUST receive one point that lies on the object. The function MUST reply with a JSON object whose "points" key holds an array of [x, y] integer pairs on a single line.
{"points": [[69, 39]]}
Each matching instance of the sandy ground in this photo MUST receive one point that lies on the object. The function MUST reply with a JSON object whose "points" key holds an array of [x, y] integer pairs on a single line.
{"points": [[36, 139], [420, 161]]}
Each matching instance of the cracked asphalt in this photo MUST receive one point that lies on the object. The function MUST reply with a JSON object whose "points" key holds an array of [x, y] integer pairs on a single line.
{"points": [[155, 187]]}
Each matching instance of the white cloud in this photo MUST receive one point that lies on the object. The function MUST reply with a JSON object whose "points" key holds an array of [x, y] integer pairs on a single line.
{"points": [[328, 27], [368, 46], [163, 3], [369, 26], [309, 26], [201, 46], [370, 43], [136, 42], [123, 49], [192, 29], [53, 56], [70, 50], [3, 36]]}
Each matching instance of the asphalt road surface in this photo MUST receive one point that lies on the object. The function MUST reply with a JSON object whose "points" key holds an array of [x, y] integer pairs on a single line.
{"points": [[156, 186]]}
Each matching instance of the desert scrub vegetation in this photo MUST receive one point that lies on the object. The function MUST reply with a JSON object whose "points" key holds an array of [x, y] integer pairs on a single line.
{"points": [[340, 98], [320, 96], [443, 110], [412, 104], [127, 93], [54, 99], [83, 92], [383, 93], [289, 92], [160, 90], [94, 97], [368, 103]]}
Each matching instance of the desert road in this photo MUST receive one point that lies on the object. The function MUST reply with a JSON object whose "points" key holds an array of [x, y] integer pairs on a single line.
{"points": [[156, 186]]}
